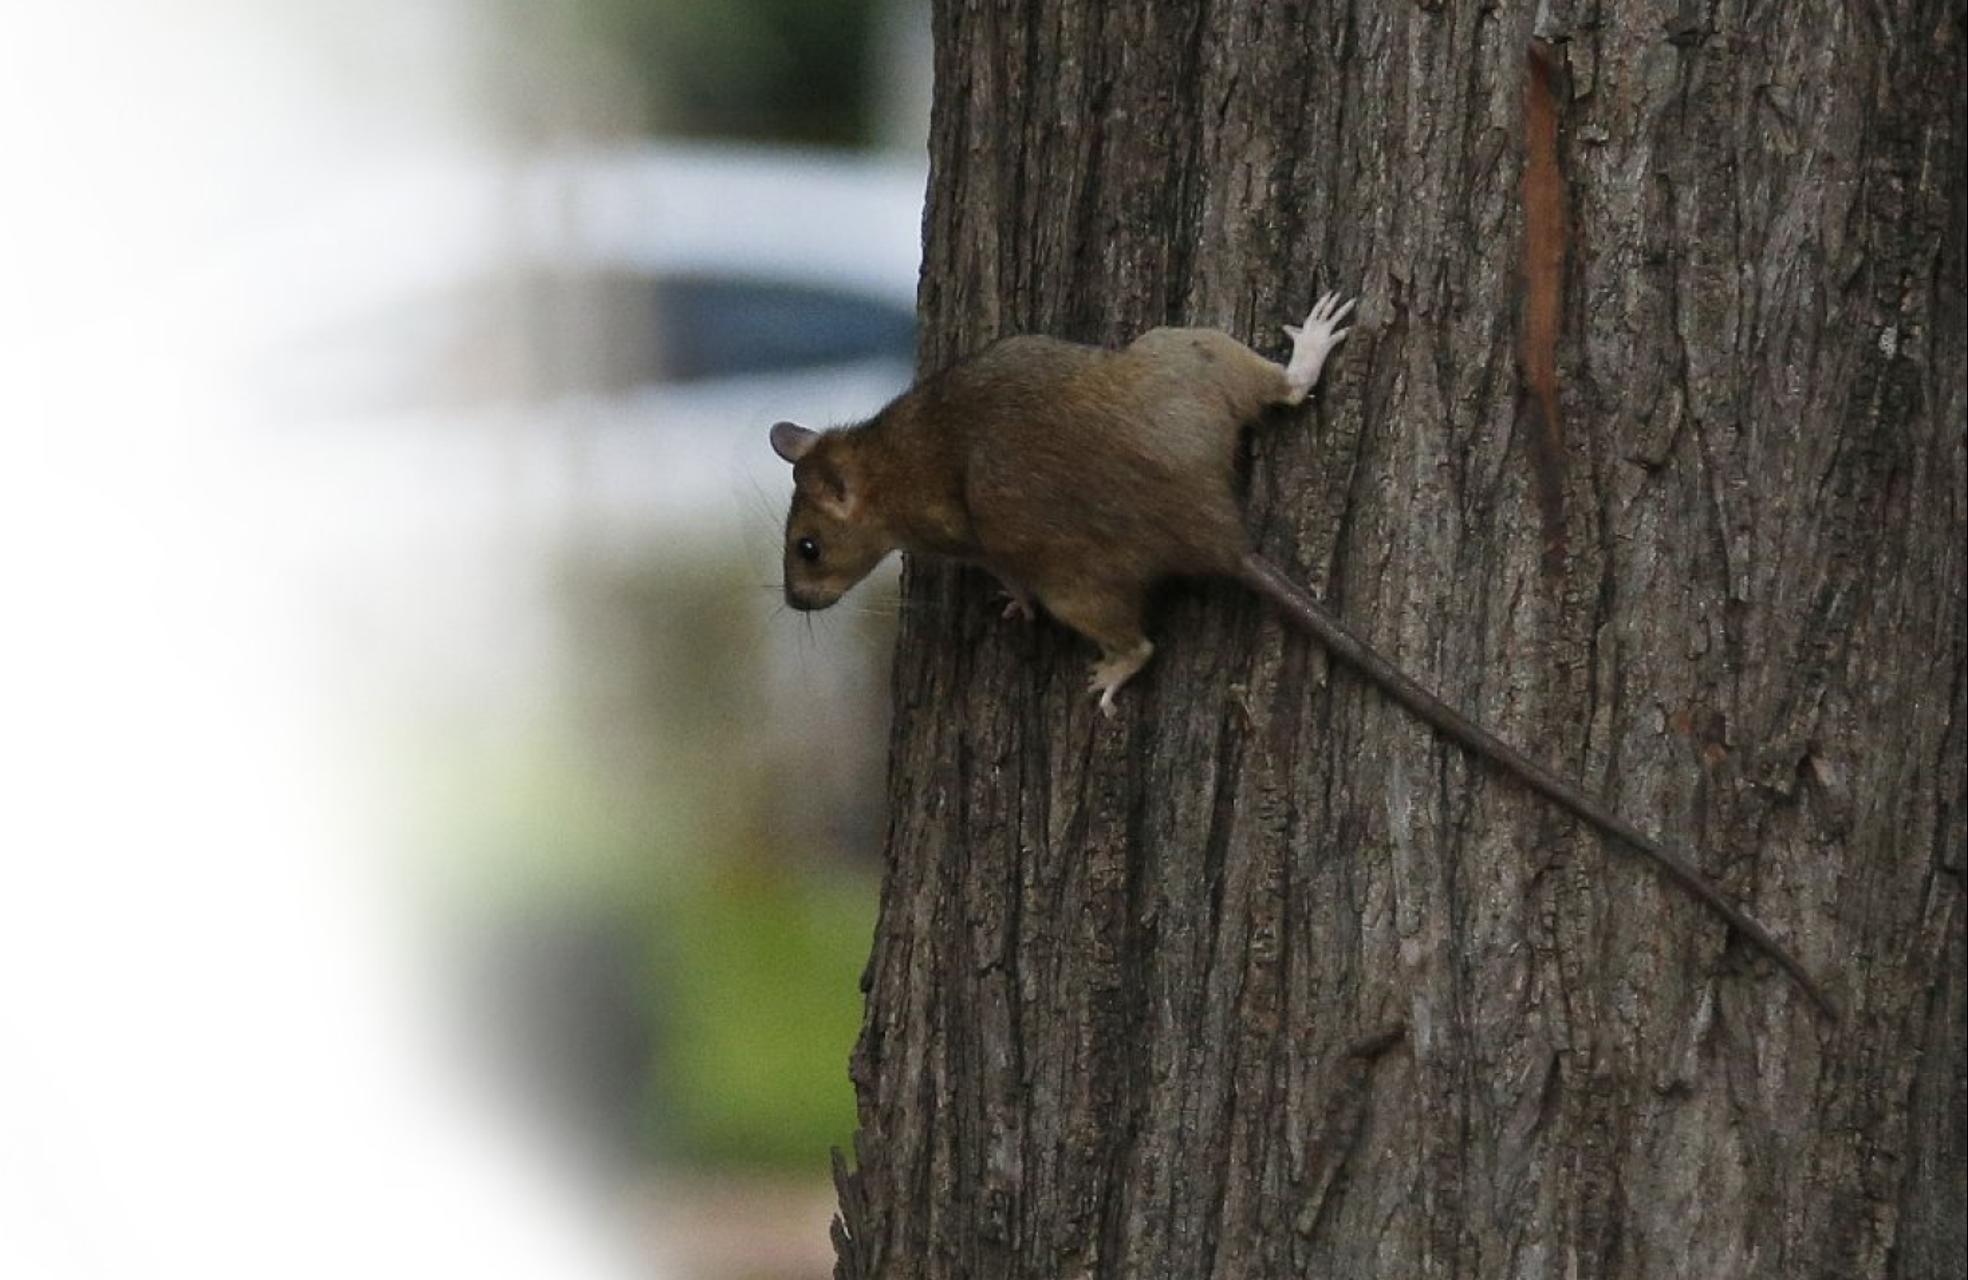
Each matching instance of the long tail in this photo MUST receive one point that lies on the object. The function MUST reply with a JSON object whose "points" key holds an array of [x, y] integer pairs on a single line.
{"points": [[1298, 605]]}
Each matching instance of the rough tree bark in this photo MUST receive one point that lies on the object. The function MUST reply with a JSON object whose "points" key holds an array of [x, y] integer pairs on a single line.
{"points": [[1649, 449]]}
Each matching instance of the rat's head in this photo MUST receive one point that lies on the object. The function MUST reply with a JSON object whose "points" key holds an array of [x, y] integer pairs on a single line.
{"points": [[832, 539]]}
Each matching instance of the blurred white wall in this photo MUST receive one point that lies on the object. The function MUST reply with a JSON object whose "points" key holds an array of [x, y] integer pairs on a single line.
{"points": [[217, 1057]]}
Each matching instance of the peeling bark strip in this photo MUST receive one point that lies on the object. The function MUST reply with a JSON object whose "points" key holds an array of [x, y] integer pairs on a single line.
{"points": [[1129, 980], [1544, 284]]}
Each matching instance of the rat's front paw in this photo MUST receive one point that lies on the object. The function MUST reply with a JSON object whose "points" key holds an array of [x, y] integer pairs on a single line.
{"points": [[1018, 605], [1314, 342]]}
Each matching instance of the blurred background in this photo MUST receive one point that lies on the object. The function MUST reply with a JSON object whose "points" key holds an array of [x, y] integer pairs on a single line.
{"points": [[427, 844]]}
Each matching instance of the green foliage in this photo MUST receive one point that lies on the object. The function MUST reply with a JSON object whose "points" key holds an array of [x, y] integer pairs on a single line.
{"points": [[763, 1004], [637, 798], [782, 70]]}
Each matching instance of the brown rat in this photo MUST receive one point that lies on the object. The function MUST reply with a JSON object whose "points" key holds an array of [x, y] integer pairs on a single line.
{"points": [[1082, 477]]}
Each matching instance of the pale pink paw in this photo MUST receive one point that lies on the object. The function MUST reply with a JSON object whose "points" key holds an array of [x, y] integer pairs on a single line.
{"points": [[1313, 342]]}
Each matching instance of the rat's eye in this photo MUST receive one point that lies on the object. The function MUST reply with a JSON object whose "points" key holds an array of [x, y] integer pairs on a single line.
{"points": [[808, 549]]}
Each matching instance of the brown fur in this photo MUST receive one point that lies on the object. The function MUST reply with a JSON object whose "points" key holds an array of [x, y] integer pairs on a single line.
{"points": [[1080, 475]]}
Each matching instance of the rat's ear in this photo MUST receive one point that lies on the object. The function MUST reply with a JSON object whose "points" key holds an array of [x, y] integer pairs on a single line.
{"points": [[791, 441], [829, 488]]}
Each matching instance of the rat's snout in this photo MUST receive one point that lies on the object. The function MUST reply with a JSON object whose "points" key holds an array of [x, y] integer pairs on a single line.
{"points": [[807, 599]]}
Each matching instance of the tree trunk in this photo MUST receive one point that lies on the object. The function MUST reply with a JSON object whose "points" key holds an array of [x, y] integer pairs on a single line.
{"points": [[1648, 449]]}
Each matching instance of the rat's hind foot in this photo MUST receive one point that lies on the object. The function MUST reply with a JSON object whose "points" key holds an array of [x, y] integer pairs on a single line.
{"points": [[1312, 344], [1106, 611], [1115, 670]]}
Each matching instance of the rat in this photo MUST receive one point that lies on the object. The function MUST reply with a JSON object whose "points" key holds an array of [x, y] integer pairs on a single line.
{"points": [[1081, 477]]}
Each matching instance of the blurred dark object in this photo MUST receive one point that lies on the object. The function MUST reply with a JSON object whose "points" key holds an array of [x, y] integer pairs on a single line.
{"points": [[637, 329], [718, 326], [753, 70], [787, 70], [572, 1021]]}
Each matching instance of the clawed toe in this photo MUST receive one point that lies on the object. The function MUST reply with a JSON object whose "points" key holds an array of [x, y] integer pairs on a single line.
{"points": [[1327, 312], [1313, 341]]}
